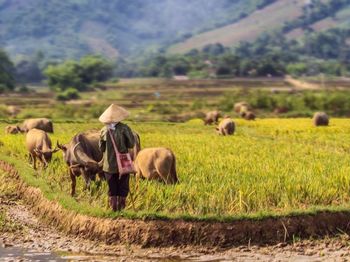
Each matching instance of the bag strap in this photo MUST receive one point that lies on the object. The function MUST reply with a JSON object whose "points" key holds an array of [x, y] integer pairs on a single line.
{"points": [[115, 149], [113, 142]]}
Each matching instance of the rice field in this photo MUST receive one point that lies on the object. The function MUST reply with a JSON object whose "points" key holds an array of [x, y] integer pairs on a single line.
{"points": [[270, 166]]}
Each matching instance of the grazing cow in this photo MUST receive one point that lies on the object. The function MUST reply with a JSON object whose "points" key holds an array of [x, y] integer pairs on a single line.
{"points": [[13, 110], [320, 119], [212, 117], [12, 130], [238, 107], [38, 123], [158, 164], [248, 115], [280, 110], [83, 157], [226, 127], [38, 144]]}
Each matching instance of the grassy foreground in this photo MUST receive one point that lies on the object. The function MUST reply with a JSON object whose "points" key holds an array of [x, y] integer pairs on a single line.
{"points": [[269, 167]]}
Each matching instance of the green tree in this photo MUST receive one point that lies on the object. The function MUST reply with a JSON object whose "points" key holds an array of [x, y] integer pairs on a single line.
{"points": [[79, 75], [95, 69], [7, 70], [65, 75]]}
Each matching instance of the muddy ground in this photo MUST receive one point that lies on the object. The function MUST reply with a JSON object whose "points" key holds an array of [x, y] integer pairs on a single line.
{"points": [[31, 235]]}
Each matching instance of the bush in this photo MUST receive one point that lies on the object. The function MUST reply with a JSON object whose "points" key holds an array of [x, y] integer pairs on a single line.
{"points": [[23, 89], [297, 69], [69, 94], [198, 74]]}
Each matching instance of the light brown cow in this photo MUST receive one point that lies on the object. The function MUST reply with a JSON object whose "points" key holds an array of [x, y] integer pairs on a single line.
{"points": [[12, 129], [156, 164], [38, 144], [212, 117], [238, 107], [38, 123], [13, 110], [226, 127]]}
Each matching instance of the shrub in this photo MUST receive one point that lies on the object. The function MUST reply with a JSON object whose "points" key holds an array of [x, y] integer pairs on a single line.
{"points": [[69, 94], [23, 89]]}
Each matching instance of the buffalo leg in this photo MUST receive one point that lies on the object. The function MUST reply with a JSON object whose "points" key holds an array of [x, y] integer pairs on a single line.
{"points": [[74, 182], [87, 181]]}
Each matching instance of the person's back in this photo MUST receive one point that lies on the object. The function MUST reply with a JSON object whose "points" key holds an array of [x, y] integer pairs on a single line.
{"points": [[121, 135]]}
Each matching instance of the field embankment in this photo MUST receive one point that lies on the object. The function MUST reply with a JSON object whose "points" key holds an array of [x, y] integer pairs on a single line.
{"points": [[164, 233]]}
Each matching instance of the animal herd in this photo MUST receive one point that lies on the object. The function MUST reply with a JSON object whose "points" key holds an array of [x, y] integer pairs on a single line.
{"points": [[83, 156], [227, 126]]}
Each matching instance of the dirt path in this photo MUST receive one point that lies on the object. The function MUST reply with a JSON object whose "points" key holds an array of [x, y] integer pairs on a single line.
{"points": [[32, 235]]}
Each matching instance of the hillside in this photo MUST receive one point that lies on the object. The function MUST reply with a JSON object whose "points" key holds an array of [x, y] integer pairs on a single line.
{"points": [[282, 15], [249, 28], [72, 28], [340, 19]]}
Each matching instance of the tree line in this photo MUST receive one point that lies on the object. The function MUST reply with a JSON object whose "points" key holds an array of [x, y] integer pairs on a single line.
{"points": [[271, 54]]}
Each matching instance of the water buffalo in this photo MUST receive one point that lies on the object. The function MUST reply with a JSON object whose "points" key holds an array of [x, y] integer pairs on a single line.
{"points": [[38, 123], [226, 127], [13, 110], [38, 144], [12, 129], [248, 115], [83, 157], [212, 117], [156, 163], [240, 105], [320, 119]]}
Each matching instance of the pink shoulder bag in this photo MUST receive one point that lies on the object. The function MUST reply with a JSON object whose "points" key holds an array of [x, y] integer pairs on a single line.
{"points": [[124, 161]]}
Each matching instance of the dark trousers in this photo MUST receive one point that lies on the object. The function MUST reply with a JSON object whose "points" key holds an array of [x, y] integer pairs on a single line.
{"points": [[117, 186]]}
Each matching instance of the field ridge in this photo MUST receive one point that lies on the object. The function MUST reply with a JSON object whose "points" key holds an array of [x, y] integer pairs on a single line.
{"points": [[163, 233]]}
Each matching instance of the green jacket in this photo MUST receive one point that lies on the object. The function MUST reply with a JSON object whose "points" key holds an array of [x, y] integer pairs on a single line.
{"points": [[124, 139]]}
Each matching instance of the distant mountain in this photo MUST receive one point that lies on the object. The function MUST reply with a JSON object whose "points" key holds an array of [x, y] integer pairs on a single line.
{"points": [[72, 28], [293, 17]]}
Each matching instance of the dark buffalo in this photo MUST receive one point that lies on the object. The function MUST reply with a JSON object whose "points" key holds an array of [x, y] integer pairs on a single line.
{"points": [[83, 157]]}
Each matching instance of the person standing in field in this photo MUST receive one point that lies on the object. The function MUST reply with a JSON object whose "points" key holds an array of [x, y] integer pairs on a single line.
{"points": [[115, 135]]}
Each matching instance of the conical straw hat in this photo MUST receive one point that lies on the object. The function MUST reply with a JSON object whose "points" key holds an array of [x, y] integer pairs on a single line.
{"points": [[113, 114]]}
